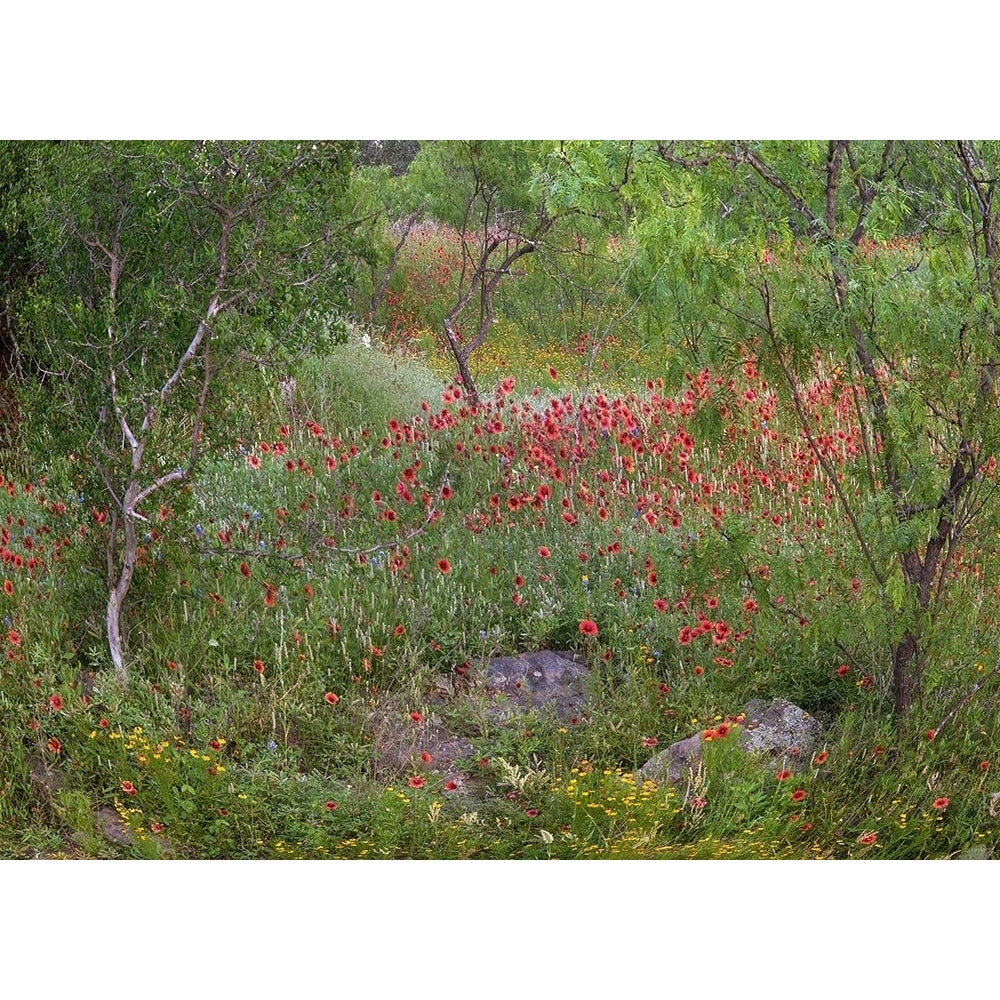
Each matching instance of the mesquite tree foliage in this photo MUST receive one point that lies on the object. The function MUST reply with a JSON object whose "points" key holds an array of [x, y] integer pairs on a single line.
{"points": [[882, 259], [486, 191], [160, 268]]}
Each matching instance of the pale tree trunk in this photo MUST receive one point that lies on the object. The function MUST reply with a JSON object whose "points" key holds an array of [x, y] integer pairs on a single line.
{"points": [[119, 591]]}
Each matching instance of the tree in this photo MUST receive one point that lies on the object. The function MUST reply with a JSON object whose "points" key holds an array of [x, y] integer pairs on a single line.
{"points": [[486, 191], [883, 256], [15, 269], [162, 268]]}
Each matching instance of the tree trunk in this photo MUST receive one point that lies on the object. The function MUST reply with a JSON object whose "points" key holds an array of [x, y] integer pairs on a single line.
{"points": [[118, 592], [462, 362], [905, 673]]}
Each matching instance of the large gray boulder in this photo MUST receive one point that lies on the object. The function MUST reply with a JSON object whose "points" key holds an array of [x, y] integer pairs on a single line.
{"points": [[780, 731], [777, 732], [546, 679]]}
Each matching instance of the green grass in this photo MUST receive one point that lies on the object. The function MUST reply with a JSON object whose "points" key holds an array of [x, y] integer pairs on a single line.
{"points": [[222, 743]]}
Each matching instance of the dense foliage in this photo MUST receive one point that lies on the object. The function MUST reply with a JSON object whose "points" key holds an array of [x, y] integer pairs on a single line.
{"points": [[724, 424]]}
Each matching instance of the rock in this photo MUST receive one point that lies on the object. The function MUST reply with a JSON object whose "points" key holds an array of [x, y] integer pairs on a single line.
{"points": [[781, 731], [545, 679], [978, 852], [673, 763], [109, 824], [47, 781]]}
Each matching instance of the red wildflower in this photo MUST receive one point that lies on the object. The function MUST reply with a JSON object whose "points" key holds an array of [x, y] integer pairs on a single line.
{"points": [[416, 782], [416, 717], [426, 757], [799, 794], [867, 839], [55, 703], [531, 813], [128, 788], [258, 666], [749, 604], [843, 670], [649, 741], [444, 565], [941, 803], [330, 698], [54, 745], [698, 804], [450, 785], [103, 723], [8, 588], [588, 627], [783, 775], [984, 765], [330, 805], [661, 605], [245, 569], [14, 637], [722, 730], [544, 552], [699, 670], [215, 744], [931, 733], [821, 758], [156, 828]]}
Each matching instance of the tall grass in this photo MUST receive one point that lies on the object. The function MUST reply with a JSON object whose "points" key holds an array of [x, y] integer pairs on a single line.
{"points": [[329, 587]]}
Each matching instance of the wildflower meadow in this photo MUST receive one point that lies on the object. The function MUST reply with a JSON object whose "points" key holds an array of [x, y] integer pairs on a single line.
{"points": [[306, 606]]}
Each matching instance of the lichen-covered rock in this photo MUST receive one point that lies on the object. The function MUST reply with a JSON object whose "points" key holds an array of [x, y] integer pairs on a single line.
{"points": [[777, 731], [781, 731]]}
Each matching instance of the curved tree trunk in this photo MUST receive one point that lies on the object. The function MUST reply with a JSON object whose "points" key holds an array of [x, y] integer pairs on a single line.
{"points": [[118, 592], [461, 356]]}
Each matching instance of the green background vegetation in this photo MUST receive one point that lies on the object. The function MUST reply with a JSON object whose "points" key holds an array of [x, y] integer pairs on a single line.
{"points": [[744, 384]]}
